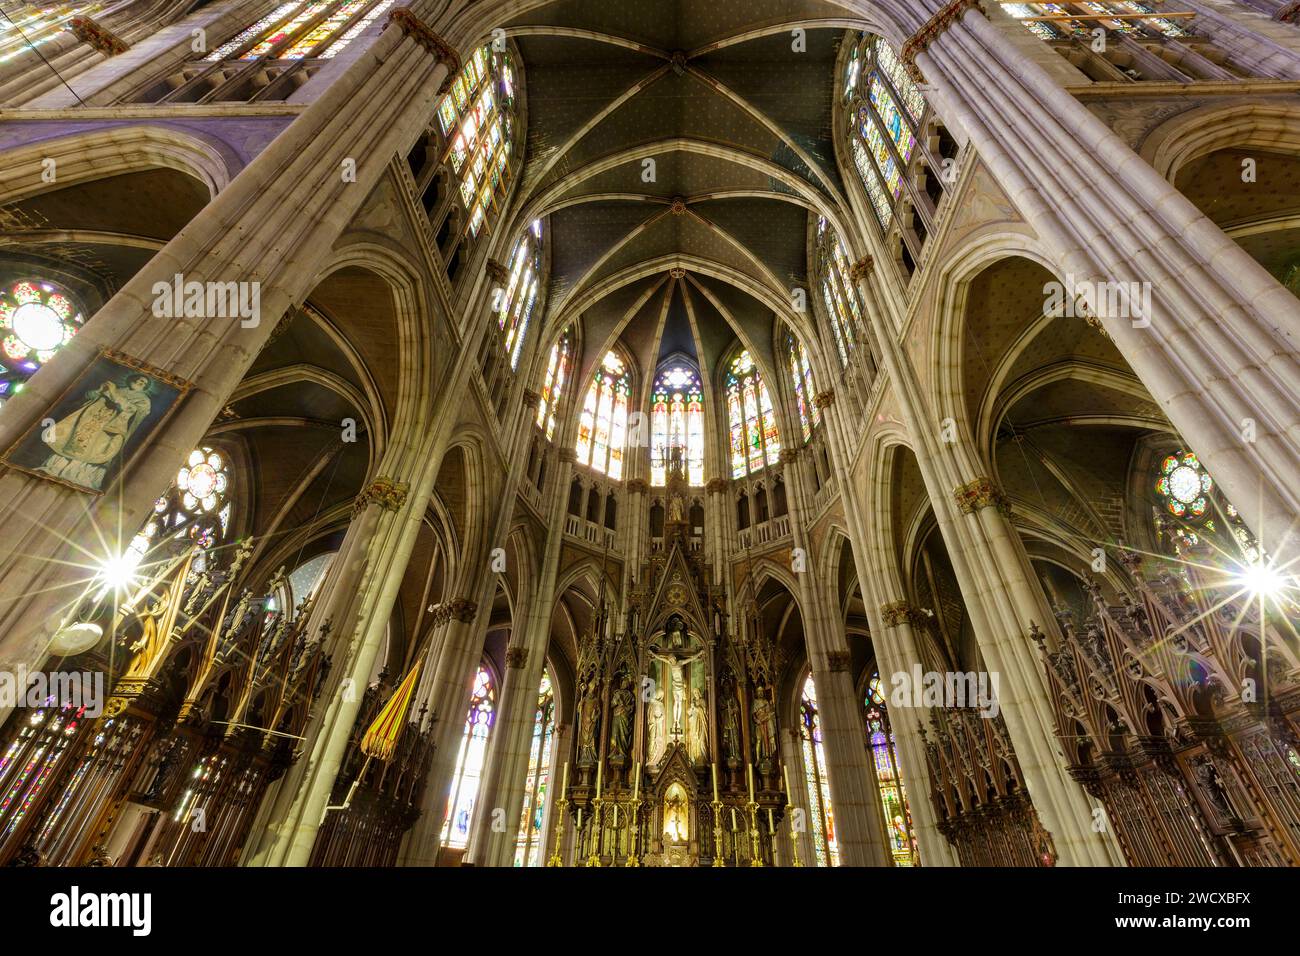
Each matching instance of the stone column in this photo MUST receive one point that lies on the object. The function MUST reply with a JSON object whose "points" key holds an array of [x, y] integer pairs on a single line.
{"points": [[453, 658], [1217, 347], [858, 820], [804, 819], [1063, 808], [505, 781], [897, 648], [894, 643], [273, 225]]}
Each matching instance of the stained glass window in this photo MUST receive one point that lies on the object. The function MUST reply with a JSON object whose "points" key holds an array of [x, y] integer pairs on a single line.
{"points": [[307, 577], [477, 122], [1053, 21], [37, 318], [46, 734], [801, 380], [302, 30], [470, 761], [514, 304], [1183, 486], [531, 842], [843, 308], [558, 369], [602, 425], [24, 26], [825, 843], [196, 510], [752, 423], [885, 116], [677, 421], [884, 756]]}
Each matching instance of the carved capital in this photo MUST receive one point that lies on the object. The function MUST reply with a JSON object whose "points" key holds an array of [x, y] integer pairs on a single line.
{"points": [[716, 486], [837, 661], [462, 610], [436, 46], [496, 272], [516, 657], [105, 41], [638, 486], [824, 399], [948, 14], [531, 399], [861, 269], [902, 612], [385, 492], [788, 455], [568, 455], [981, 493]]}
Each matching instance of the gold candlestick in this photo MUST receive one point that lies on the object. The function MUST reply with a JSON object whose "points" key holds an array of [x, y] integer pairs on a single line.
{"points": [[755, 858], [794, 837], [632, 858], [560, 806], [717, 831], [594, 858]]}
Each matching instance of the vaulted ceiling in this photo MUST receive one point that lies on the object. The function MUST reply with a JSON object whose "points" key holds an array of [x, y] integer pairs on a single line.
{"points": [[678, 149]]}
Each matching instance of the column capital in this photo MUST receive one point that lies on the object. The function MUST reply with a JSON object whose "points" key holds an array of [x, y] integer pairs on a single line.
{"points": [[861, 269], [788, 455], [903, 612], [638, 486], [496, 271], [531, 399], [104, 40], [516, 657], [824, 398], [458, 609], [383, 491], [838, 661], [568, 455], [716, 486], [981, 493], [948, 14], [436, 46]]}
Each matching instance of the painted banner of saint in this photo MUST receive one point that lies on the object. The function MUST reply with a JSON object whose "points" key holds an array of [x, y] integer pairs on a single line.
{"points": [[84, 443], [92, 431]]}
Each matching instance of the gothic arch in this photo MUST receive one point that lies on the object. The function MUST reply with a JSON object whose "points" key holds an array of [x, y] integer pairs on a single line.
{"points": [[947, 352], [91, 156], [1266, 125]]}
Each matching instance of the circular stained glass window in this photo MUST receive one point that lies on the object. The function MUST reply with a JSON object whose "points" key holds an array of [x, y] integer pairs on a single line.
{"points": [[37, 318], [1184, 486]]}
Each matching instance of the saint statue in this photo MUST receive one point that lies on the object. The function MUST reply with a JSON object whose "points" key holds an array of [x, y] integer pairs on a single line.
{"points": [[764, 714], [656, 712], [731, 728], [698, 735], [85, 443], [622, 709], [589, 717], [675, 514]]}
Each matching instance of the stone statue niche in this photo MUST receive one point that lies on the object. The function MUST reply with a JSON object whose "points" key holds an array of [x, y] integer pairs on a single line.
{"points": [[678, 709]]}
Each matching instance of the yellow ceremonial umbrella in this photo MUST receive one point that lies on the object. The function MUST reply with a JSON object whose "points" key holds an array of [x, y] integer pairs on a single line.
{"points": [[381, 739]]}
